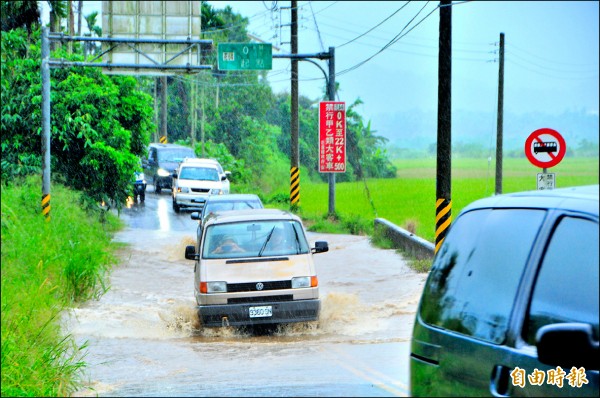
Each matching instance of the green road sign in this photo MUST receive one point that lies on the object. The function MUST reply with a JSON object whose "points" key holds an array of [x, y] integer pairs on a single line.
{"points": [[244, 56]]}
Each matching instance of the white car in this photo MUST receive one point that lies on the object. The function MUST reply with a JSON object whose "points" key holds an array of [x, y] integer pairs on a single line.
{"points": [[196, 179]]}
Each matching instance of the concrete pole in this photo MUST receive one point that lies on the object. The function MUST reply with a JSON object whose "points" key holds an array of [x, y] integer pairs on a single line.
{"points": [[331, 95], [163, 108], [45, 124], [444, 129], [500, 121], [294, 127], [156, 120], [192, 115]]}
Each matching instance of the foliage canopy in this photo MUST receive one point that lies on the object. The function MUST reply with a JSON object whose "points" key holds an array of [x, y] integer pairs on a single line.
{"points": [[102, 124]]}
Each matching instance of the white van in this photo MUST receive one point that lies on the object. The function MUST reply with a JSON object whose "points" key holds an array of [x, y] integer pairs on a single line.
{"points": [[255, 267]]}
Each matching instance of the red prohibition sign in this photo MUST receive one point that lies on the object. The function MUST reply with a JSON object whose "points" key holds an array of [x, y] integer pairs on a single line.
{"points": [[545, 148]]}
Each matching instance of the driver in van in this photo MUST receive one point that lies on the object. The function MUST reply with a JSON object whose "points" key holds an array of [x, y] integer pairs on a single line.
{"points": [[228, 245]]}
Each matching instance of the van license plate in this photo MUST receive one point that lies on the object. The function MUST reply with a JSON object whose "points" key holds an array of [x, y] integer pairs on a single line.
{"points": [[260, 312]]}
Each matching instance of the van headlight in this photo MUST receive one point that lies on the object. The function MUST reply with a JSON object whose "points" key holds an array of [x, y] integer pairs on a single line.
{"points": [[216, 191], [163, 172], [217, 287], [183, 189], [300, 282]]}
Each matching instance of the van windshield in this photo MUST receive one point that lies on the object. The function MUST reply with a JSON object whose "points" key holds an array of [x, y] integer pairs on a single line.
{"points": [[175, 154], [254, 239]]}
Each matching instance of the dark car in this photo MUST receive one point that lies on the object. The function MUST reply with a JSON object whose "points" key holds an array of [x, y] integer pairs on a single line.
{"points": [[510, 307], [234, 201], [162, 162]]}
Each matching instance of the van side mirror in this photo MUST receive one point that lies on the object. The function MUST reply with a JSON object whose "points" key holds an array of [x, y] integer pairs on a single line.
{"points": [[567, 345], [174, 175], [320, 247], [190, 253]]}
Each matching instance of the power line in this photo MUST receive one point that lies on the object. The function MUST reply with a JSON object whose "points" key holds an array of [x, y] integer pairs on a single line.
{"points": [[414, 45], [273, 6], [512, 61], [391, 42], [549, 68], [317, 27], [376, 26], [549, 60]]}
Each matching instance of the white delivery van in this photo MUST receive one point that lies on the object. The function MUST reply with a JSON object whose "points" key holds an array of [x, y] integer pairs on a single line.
{"points": [[255, 267]]}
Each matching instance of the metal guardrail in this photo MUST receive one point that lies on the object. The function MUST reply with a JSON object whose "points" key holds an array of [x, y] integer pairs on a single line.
{"points": [[413, 245]]}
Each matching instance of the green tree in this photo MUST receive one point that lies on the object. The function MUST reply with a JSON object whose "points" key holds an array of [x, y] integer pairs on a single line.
{"points": [[58, 11], [100, 124], [90, 48], [19, 14]]}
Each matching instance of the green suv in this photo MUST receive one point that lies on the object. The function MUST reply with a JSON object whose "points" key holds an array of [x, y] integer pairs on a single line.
{"points": [[510, 307]]}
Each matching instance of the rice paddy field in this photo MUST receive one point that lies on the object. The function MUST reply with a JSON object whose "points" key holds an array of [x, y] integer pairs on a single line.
{"points": [[409, 200]]}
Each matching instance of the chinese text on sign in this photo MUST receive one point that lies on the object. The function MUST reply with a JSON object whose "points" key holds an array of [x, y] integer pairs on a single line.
{"points": [[332, 137]]}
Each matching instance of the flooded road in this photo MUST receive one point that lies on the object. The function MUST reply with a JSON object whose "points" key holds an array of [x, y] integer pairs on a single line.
{"points": [[144, 338]]}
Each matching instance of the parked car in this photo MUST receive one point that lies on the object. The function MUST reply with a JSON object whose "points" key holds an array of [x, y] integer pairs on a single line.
{"points": [[195, 180], [163, 160], [254, 267], [510, 307]]}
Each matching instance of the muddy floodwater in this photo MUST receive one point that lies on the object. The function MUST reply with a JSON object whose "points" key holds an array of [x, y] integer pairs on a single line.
{"points": [[144, 339]]}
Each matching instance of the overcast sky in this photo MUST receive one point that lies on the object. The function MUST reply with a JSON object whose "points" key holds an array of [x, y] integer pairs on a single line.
{"points": [[551, 52]]}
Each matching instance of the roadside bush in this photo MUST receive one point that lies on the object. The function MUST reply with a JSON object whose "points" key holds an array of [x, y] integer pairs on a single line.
{"points": [[47, 266]]}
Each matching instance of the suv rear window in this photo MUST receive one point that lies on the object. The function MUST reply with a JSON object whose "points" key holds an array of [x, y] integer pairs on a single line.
{"points": [[476, 274]]}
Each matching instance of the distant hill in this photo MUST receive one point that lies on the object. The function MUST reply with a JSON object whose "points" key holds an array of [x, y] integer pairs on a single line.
{"points": [[418, 130]]}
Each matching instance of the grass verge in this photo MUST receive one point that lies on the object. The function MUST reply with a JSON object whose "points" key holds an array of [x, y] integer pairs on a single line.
{"points": [[409, 200], [47, 266]]}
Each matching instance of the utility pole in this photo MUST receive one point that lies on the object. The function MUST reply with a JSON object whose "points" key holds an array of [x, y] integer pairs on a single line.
{"points": [[155, 133], [443, 214], [295, 127], [193, 112], [500, 118], [45, 124], [331, 95], [202, 120], [163, 108], [71, 25], [79, 16]]}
